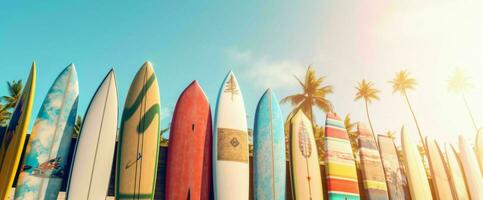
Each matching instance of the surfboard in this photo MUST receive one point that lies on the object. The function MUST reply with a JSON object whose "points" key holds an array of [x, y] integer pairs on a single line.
{"points": [[471, 170], [415, 171], [188, 173], [456, 174], [230, 143], [138, 146], [437, 166], [43, 167], [340, 166], [307, 183], [397, 184], [372, 171], [269, 163], [92, 162], [12, 143], [479, 148]]}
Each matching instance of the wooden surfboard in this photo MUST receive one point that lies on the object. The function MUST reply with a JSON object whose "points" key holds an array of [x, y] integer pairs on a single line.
{"points": [[230, 143], [397, 184], [188, 173], [92, 162], [269, 163], [372, 171], [340, 166], [13, 139], [43, 167], [138, 146], [471, 170], [415, 172], [437, 166], [456, 174], [307, 183], [479, 148]]}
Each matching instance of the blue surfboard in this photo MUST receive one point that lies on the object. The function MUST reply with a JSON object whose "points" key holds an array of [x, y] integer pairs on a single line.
{"points": [[47, 150], [268, 150]]}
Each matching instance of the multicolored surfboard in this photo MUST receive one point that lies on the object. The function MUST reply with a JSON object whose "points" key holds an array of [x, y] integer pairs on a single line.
{"points": [[269, 163], [13, 139], [456, 174], [440, 178], [188, 169], [417, 179], [397, 184], [138, 146], [307, 182], [231, 170], [43, 167], [340, 166], [372, 171]]}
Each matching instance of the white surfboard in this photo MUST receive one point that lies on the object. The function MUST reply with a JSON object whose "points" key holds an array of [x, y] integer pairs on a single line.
{"points": [[415, 172], [307, 183], [92, 163], [230, 144], [471, 170]]}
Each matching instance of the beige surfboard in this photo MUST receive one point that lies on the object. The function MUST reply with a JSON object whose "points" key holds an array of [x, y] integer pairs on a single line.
{"points": [[416, 174], [471, 170], [456, 174], [307, 183], [138, 146], [440, 178]]}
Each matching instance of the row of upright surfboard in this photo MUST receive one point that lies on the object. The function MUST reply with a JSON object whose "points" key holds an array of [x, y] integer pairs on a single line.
{"points": [[210, 158]]}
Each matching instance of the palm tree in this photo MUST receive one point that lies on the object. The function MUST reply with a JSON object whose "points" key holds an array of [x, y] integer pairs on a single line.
{"points": [[402, 83], [459, 84], [314, 94], [353, 135], [4, 115], [391, 134], [14, 92], [367, 91], [77, 127], [164, 141]]}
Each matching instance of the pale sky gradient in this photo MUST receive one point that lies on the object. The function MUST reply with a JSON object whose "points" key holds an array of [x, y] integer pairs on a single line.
{"points": [[265, 44], [351, 41]]}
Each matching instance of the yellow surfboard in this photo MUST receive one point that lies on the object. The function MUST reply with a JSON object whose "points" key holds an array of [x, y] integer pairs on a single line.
{"points": [[13, 141], [137, 153]]}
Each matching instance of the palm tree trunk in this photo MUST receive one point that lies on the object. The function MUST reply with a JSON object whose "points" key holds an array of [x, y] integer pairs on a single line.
{"points": [[470, 113], [415, 120], [370, 122]]}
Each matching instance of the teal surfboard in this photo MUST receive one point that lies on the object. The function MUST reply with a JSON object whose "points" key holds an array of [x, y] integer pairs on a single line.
{"points": [[269, 150], [45, 158]]}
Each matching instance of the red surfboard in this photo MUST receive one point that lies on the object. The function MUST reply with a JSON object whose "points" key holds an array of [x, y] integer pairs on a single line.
{"points": [[188, 172]]}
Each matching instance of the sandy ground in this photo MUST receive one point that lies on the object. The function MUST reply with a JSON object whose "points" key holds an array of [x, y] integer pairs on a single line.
{"points": [[60, 197]]}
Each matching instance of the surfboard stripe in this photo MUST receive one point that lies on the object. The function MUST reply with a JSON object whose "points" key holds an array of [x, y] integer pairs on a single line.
{"points": [[343, 196], [339, 170], [337, 133], [341, 185]]}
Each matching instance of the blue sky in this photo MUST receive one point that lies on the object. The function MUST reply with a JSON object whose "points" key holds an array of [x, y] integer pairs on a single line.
{"points": [[264, 43]]}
